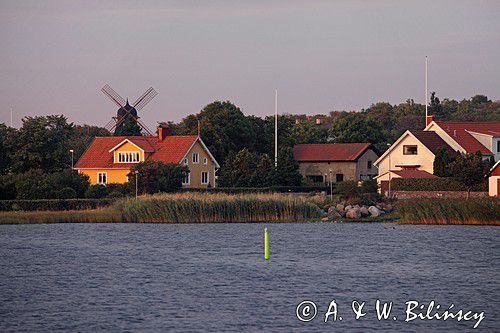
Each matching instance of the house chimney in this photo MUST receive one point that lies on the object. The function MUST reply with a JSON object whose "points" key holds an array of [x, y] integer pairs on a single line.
{"points": [[428, 120], [162, 132]]}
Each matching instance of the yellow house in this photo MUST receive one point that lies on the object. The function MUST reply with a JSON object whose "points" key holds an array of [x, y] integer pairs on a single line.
{"points": [[109, 159]]}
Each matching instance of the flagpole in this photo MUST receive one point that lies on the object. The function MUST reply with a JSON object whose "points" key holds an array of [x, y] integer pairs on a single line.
{"points": [[276, 128], [426, 94]]}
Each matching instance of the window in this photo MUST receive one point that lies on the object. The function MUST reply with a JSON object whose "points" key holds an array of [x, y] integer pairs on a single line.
{"points": [[339, 177], [186, 178], [186, 161], [204, 178], [315, 178], [102, 178], [369, 164], [196, 158], [205, 160], [409, 150], [498, 146], [129, 157]]}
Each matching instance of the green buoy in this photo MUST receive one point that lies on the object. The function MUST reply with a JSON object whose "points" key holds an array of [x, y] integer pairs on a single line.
{"points": [[266, 244]]}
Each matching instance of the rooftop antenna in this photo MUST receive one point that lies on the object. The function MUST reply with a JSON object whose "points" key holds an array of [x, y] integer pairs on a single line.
{"points": [[426, 94], [275, 128]]}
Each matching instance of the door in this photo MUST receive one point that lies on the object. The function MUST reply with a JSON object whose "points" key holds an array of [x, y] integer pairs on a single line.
{"points": [[498, 185], [384, 187]]}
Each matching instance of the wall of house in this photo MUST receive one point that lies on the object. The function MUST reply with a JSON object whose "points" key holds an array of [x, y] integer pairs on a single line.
{"points": [[424, 157], [114, 175], [362, 171], [493, 186], [127, 146], [348, 169], [196, 169]]}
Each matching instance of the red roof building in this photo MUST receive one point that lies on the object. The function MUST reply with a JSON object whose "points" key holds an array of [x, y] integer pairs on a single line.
{"points": [[335, 162]]}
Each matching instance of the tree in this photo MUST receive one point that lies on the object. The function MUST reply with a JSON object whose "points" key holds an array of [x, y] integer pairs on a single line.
{"points": [[82, 136], [287, 172], [78, 182], [264, 174], [42, 143], [154, 176], [7, 147], [435, 107], [307, 132], [441, 162], [469, 169], [238, 169], [33, 184]]}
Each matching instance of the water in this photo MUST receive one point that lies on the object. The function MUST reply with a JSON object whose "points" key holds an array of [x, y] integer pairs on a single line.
{"points": [[211, 277]]}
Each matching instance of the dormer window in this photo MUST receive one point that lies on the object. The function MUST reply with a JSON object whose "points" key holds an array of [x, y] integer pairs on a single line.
{"points": [[129, 157]]}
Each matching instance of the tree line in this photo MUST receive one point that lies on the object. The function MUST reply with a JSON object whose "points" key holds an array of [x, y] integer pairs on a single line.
{"points": [[243, 144]]}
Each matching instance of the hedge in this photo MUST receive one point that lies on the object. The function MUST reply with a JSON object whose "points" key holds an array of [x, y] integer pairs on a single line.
{"points": [[271, 189], [432, 184], [53, 204]]}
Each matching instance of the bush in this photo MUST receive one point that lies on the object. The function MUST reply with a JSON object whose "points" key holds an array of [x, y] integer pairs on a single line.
{"points": [[348, 188], [96, 192], [65, 193], [433, 184], [369, 186], [7, 187], [53, 204], [154, 177], [115, 194]]}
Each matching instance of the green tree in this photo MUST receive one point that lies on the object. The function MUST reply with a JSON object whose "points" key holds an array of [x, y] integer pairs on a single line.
{"points": [[287, 172], [307, 132], [238, 169], [469, 169], [42, 143], [435, 107], [357, 127], [264, 174], [7, 147], [82, 136], [441, 162], [79, 183], [154, 177], [33, 184]]}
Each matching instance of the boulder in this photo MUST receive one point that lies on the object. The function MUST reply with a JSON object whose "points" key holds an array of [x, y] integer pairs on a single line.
{"points": [[340, 207], [364, 211], [347, 208], [374, 211], [334, 215], [322, 212], [353, 214], [324, 219], [332, 209]]}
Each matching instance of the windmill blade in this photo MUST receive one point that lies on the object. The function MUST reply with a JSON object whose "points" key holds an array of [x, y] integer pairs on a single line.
{"points": [[142, 101], [136, 119], [144, 127], [111, 124], [113, 95]]}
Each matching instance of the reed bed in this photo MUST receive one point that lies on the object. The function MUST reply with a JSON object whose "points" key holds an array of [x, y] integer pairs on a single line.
{"points": [[103, 215], [207, 207], [450, 211]]}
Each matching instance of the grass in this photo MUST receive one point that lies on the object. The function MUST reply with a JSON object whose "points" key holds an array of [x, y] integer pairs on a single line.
{"points": [[184, 208], [450, 211], [203, 208], [68, 216]]}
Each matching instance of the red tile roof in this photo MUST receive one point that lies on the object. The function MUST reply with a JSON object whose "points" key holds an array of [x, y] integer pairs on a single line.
{"points": [[170, 150], [329, 151], [460, 133], [413, 174], [433, 141]]}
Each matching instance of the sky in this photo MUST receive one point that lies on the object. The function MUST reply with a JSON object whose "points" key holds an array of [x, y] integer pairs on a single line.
{"points": [[320, 55]]}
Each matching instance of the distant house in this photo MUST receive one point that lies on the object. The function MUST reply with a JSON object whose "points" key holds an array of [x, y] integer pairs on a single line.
{"points": [[469, 137], [415, 150], [336, 162], [494, 180], [109, 159]]}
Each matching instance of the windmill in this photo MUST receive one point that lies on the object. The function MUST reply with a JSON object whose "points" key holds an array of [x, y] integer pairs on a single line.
{"points": [[126, 112]]}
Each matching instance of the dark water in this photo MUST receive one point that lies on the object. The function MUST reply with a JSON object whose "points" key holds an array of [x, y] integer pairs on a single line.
{"points": [[211, 277]]}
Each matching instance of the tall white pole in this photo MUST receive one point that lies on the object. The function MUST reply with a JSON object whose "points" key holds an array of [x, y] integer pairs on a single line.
{"points": [[276, 128], [426, 94]]}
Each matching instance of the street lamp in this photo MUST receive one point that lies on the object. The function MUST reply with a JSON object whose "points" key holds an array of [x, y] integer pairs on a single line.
{"points": [[331, 186], [390, 175], [72, 153], [136, 183]]}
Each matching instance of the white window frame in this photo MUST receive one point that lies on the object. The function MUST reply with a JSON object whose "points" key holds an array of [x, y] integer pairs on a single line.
{"points": [[197, 161], [205, 161], [188, 179], [99, 176], [128, 157], [208, 178], [186, 161]]}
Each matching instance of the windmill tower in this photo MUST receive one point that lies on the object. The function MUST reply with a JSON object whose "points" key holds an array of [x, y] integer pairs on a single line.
{"points": [[127, 120]]}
